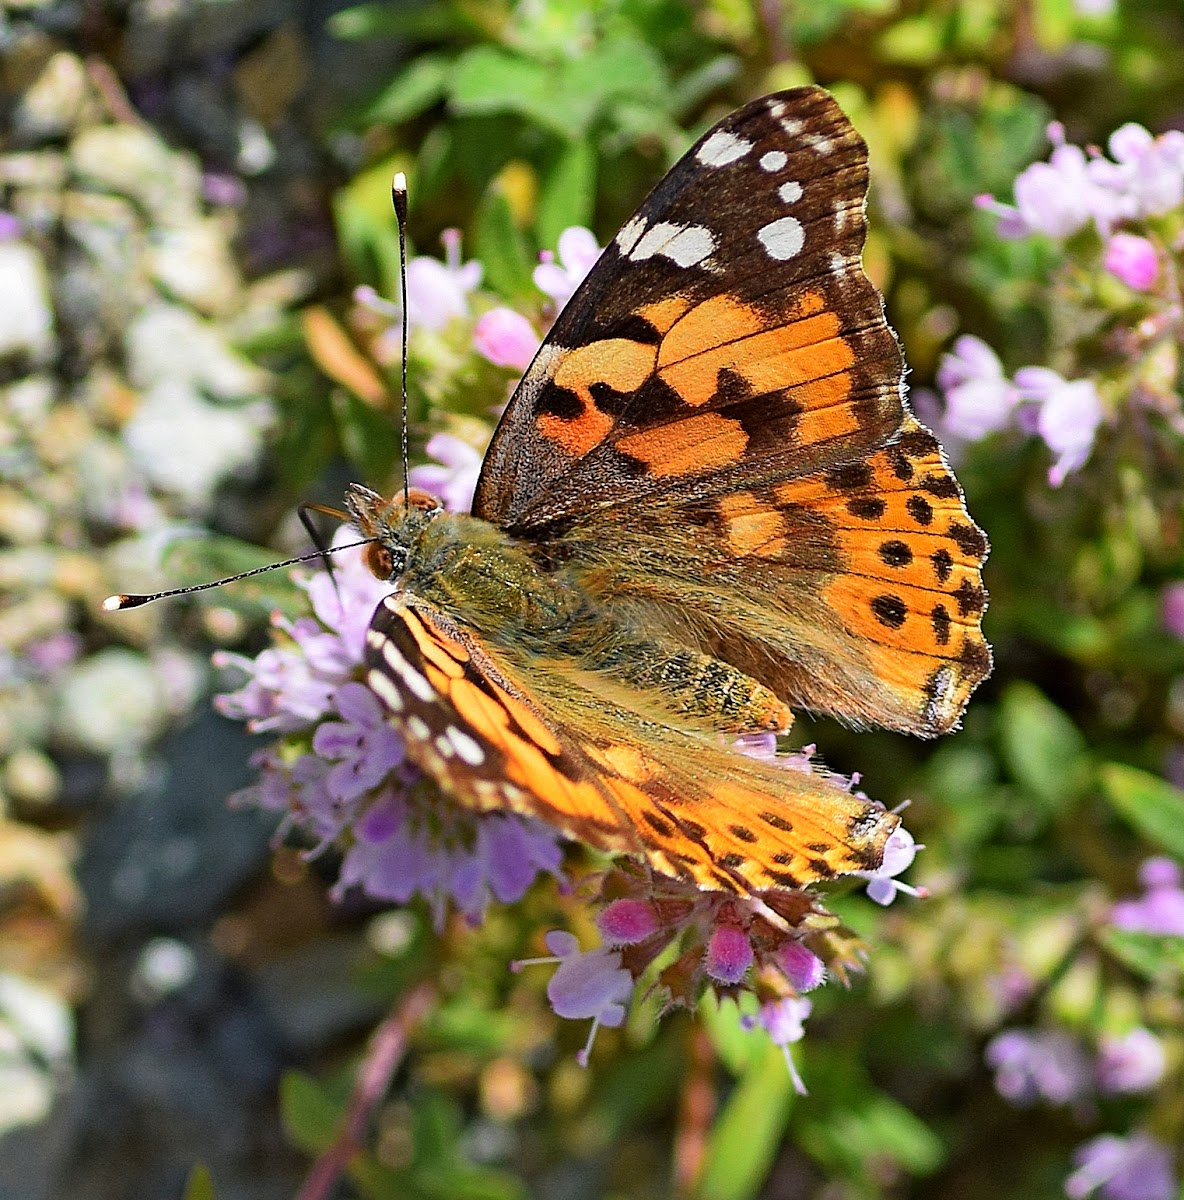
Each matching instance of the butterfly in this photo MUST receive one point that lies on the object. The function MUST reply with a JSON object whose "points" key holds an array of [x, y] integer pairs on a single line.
{"points": [[707, 504]]}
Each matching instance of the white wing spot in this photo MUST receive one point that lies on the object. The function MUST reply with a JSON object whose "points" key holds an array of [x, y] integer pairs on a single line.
{"points": [[783, 238], [792, 126], [468, 748], [444, 746], [789, 192], [385, 690], [629, 233], [687, 245], [773, 160], [776, 108], [722, 148], [821, 144], [838, 263], [418, 728], [406, 672]]}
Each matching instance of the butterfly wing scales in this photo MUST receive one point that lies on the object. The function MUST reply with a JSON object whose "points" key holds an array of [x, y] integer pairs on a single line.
{"points": [[572, 752], [727, 332], [736, 420]]}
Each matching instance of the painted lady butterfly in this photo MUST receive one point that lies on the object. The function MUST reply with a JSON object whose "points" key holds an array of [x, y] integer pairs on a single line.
{"points": [[707, 502]]}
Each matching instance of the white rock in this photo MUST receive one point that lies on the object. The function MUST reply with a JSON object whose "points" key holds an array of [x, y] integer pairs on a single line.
{"points": [[26, 318]]}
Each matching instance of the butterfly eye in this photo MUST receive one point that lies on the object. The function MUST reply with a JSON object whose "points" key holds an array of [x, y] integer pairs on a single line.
{"points": [[385, 564]]}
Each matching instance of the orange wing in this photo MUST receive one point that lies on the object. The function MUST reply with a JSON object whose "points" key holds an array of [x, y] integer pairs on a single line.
{"points": [[727, 336], [855, 592], [590, 764]]}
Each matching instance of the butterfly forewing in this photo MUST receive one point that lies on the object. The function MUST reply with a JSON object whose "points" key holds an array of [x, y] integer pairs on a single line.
{"points": [[727, 333]]}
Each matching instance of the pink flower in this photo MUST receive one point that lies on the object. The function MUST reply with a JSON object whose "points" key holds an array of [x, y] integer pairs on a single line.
{"points": [[782, 1020], [1132, 1168], [506, 338], [438, 292], [1133, 260], [1068, 416], [804, 969], [729, 954], [590, 983], [1056, 197], [453, 477], [899, 853], [1036, 1064], [1132, 1063], [1171, 608], [979, 397], [1147, 174], [1160, 910], [626, 922], [578, 253]]}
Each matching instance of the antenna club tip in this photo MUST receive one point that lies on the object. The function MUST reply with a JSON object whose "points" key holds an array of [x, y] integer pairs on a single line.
{"points": [[114, 603], [400, 182]]}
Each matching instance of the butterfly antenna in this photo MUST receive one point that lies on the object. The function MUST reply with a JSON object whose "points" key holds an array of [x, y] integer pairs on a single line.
{"points": [[399, 199], [121, 602]]}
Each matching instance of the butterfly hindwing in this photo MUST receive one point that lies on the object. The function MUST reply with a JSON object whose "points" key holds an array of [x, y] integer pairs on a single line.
{"points": [[856, 592], [588, 764], [727, 334]]}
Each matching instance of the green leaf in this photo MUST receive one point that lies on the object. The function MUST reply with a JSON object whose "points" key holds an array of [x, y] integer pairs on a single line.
{"points": [[420, 85], [1044, 750], [1152, 805], [192, 561], [1154, 956], [568, 192], [368, 436], [200, 1184], [748, 1131], [487, 81], [311, 1112], [871, 1125], [499, 244]]}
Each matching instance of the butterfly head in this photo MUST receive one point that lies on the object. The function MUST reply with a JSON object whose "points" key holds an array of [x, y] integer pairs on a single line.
{"points": [[394, 524]]}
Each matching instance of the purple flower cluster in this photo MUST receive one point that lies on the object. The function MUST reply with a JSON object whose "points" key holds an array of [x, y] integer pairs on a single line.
{"points": [[1051, 1066], [1138, 1167], [770, 947], [980, 399], [1143, 178], [339, 770]]}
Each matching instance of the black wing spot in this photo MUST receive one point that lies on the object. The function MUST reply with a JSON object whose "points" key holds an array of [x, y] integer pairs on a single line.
{"points": [[975, 657], [783, 858], [901, 467], [820, 867], [742, 833], [971, 598], [971, 540], [895, 553], [890, 611], [660, 827], [918, 443], [818, 847], [920, 510], [778, 822], [785, 879], [850, 477], [559, 402], [634, 328], [945, 487], [733, 860], [943, 564], [869, 508], [941, 624], [693, 829]]}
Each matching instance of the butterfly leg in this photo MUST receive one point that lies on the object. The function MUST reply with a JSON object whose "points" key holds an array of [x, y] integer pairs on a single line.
{"points": [[697, 686]]}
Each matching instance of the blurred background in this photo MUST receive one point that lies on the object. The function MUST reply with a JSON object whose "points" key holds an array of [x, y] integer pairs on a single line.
{"points": [[193, 193]]}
